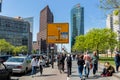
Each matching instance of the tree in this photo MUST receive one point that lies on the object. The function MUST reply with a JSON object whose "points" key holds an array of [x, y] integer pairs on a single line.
{"points": [[79, 44], [96, 39], [23, 49], [110, 4], [20, 49], [5, 46]]}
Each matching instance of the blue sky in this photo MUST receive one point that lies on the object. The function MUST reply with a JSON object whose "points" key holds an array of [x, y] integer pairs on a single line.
{"points": [[94, 16]]}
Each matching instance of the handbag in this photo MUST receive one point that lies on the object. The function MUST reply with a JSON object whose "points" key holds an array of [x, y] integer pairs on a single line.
{"points": [[91, 65]]}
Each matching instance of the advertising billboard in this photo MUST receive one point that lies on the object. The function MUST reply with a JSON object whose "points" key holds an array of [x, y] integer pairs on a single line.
{"points": [[58, 33]]}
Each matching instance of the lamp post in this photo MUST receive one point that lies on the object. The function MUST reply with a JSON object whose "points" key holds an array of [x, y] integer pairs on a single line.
{"points": [[52, 51], [59, 29], [119, 39]]}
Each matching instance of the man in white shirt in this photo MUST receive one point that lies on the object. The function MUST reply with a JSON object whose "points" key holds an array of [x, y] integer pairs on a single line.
{"points": [[34, 65]]}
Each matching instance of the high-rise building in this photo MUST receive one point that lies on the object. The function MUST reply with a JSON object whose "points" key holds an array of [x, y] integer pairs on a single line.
{"points": [[16, 31], [30, 20], [46, 16], [77, 22], [113, 23], [109, 22]]}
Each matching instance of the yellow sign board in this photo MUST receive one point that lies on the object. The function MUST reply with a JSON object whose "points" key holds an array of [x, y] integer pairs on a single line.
{"points": [[58, 33]]}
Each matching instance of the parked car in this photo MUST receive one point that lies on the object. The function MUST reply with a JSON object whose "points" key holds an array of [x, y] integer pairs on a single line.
{"points": [[3, 58], [5, 73], [19, 64]]}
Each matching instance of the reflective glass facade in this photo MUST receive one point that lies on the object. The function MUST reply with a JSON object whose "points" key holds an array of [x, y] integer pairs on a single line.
{"points": [[15, 31], [77, 22]]}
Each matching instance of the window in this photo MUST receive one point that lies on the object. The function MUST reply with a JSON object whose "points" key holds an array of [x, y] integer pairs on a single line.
{"points": [[2, 66]]}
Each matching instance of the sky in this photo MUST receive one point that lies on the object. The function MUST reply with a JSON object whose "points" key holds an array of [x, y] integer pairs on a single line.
{"points": [[94, 17]]}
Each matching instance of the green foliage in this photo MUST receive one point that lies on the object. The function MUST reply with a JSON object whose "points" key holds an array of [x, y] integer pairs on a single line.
{"points": [[20, 49], [107, 59], [79, 43], [109, 4], [116, 12], [7, 47], [96, 39], [34, 51]]}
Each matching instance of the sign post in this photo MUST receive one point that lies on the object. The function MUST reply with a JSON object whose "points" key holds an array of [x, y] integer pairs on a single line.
{"points": [[57, 33]]}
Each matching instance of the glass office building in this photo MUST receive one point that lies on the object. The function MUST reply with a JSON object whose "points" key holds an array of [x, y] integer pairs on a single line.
{"points": [[77, 22], [16, 31], [30, 20]]}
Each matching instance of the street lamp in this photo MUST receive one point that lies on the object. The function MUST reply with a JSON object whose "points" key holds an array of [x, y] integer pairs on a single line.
{"points": [[118, 39], [59, 29]]}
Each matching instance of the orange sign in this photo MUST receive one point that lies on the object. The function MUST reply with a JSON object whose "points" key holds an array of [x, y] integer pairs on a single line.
{"points": [[58, 33]]}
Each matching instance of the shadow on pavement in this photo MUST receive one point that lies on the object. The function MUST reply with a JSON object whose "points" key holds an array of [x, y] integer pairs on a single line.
{"points": [[74, 75], [45, 75], [94, 77], [21, 74], [72, 72], [14, 79]]}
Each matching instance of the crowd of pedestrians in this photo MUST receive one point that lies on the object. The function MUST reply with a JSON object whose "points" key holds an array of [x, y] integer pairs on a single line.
{"points": [[85, 62]]}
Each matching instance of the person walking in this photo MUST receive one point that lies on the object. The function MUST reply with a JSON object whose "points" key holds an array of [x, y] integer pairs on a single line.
{"points": [[63, 62], [34, 65], [69, 65], [80, 63], [117, 61], [95, 62], [60, 63], [40, 64], [87, 59]]}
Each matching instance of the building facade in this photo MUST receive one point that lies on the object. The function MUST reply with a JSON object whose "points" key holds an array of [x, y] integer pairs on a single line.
{"points": [[46, 16], [16, 31], [113, 23], [30, 20], [77, 22]]}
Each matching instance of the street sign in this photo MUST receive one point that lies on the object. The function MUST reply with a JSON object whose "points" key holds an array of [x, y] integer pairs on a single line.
{"points": [[58, 33]]}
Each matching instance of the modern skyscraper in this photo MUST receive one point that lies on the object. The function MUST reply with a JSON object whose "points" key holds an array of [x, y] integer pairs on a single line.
{"points": [[46, 16], [30, 20], [113, 23], [77, 22], [109, 22]]}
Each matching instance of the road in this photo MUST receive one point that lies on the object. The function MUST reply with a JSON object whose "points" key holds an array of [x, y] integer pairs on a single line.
{"points": [[53, 74]]}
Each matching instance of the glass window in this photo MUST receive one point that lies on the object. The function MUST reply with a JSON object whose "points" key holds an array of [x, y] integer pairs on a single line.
{"points": [[15, 60], [2, 66]]}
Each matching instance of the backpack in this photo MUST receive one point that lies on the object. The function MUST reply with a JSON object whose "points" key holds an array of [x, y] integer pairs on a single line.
{"points": [[69, 60]]}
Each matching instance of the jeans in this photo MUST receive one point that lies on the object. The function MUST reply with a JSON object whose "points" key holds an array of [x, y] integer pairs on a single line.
{"points": [[95, 68], [86, 71], [68, 70], [117, 67], [80, 70], [41, 69], [33, 70]]}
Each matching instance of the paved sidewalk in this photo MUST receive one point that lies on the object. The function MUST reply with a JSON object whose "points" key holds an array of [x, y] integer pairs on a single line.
{"points": [[48, 74], [54, 74], [75, 75]]}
